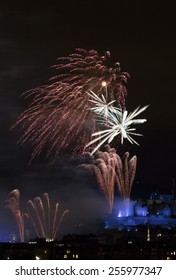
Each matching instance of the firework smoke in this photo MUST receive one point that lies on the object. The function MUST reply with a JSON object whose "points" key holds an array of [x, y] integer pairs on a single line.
{"points": [[45, 223], [58, 117], [13, 204]]}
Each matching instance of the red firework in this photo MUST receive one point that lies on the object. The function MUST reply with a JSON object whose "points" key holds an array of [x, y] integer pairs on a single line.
{"points": [[59, 116]]}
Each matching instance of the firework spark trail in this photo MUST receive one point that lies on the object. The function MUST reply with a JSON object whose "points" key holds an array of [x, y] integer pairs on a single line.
{"points": [[45, 223], [104, 177], [31, 205], [58, 116], [117, 123], [110, 170], [55, 219], [56, 225], [102, 105], [13, 204], [102, 168], [108, 179], [132, 170], [34, 213], [40, 215], [125, 170], [46, 196]]}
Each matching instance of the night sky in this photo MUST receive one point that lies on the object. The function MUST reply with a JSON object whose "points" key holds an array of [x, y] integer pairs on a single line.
{"points": [[141, 36]]}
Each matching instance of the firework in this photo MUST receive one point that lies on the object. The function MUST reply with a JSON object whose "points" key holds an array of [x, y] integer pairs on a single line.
{"points": [[14, 205], [59, 117], [118, 123], [124, 168], [125, 173], [102, 106], [105, 178], [109, 170], [102, 168], [45, 223]]}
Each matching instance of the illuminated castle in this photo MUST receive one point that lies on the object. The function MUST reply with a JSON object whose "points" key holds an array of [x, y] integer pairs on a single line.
{"points": [[159, 210]]}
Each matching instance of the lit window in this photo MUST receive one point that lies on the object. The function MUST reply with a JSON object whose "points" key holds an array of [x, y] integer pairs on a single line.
{"points": [[45, 251], [76, 256], [65, 256], [68, 251], [73, 256]]}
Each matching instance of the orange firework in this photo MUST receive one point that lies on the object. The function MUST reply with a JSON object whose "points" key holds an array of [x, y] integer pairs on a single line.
{"points": [[110, 170], [125, 173], [125, 169], [45, 223], [105, 178], [14, 205], [102, 168]]}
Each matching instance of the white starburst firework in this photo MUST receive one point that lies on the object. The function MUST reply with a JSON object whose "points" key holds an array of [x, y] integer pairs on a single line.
{"points": [[102, 106], [118, 123]]}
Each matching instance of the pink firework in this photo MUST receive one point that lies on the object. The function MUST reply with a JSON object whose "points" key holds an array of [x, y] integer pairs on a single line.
{"points": [[102, 168], [45, 222], [14, 205], [59, 115], [109, 170], [124, 168]]}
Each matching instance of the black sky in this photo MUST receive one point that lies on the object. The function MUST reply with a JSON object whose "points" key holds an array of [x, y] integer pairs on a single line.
{"points": [[139, 34]]}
